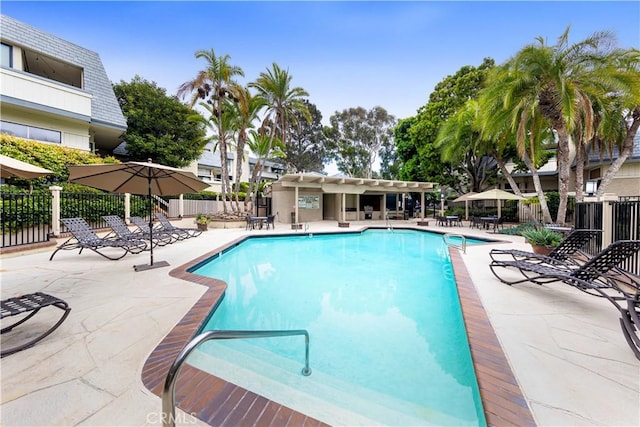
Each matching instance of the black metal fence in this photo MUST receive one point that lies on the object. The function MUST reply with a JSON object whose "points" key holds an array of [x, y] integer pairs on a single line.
{"points": [[625, 219], [26, 219], [624, 224]]}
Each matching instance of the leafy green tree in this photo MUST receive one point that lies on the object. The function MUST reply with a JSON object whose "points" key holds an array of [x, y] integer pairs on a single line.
{"points": [[283, 104], [357, 136], [305, 149], [447, 97], [157, 125], [217, 87]]}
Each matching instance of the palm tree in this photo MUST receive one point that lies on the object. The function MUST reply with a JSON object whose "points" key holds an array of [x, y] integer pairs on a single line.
{"points": [[557, 84], [216, 85], [282, 103], [245, 113]]}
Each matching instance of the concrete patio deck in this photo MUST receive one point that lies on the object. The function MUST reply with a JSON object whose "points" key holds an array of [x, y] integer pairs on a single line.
{"points": [[565, 348]]}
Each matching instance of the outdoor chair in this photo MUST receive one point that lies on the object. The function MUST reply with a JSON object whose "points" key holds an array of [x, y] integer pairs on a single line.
{"points": [[143, 227], [121, 230], [180, 233], [251, 222], [270, 222], [475, 222], [601, 276], [83, 237], [601, 272], [32, 304], [567, 251]]}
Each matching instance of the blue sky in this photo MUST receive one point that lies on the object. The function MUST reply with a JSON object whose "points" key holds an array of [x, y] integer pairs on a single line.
{"points": [[345, 54]]}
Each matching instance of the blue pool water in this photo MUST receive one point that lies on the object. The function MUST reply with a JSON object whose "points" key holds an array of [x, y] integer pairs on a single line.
{"points": [[388, 344]]}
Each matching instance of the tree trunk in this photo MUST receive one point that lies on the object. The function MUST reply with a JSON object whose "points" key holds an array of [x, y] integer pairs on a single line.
{"points": [[239, 157], [624, 153], [580, 162], [546, 215], [512, 183], [563, 171]]}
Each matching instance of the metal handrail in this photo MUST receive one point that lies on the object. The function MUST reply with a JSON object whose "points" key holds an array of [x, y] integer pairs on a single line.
{"points": [[388, 221], [462, 246], [168, 392]]}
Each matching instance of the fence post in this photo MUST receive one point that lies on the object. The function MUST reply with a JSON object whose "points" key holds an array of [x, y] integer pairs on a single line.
{"points": [[181, 206], [127, 207], [607, 219], [55, 210]]}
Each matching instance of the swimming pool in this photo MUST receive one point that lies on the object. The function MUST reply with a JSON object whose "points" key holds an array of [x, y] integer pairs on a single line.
{"points": [[387, 342]]}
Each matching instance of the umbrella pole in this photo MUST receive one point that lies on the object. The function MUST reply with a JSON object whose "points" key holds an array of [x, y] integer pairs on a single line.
{"points": [[151, 265]]}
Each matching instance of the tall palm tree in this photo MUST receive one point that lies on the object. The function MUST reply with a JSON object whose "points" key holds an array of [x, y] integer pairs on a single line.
{"points": [[245, 113], [282, 103], [558, 84], [216, 85]]}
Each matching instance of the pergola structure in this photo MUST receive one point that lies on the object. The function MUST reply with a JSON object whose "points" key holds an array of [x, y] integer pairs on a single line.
{"points": [[306, 189]]}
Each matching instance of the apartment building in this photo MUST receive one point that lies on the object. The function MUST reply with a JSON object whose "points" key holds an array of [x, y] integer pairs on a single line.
{"points": [[56, 92]]}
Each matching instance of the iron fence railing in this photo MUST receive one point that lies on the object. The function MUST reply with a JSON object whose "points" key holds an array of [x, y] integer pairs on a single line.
{"points": [[25, 219]]}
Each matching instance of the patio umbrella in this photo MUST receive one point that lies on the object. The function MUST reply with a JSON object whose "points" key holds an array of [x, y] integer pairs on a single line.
{"points": [[497, 195], [12, 168], [465, 198], [138, 178]]}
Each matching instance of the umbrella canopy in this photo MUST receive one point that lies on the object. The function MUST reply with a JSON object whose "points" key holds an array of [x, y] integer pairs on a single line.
{"points": [[496, 194], [12, 168], [465, 198], [138, 178]]}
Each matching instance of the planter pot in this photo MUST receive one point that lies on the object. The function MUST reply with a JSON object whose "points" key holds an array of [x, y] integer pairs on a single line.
{"points": [[202, 227], [343, 224], [541, 250]]}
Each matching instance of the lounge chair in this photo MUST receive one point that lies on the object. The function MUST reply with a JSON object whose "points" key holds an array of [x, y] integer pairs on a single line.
{"points": [[32, 304], [568, 248], [83, 237], [121, 230], [143, 227], [180, 233], [598, 274]]}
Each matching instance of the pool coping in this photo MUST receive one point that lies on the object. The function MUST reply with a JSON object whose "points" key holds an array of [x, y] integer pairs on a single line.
{"points": [[218, 402]]}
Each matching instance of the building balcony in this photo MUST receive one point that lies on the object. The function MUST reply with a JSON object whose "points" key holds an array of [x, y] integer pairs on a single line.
{"points": [[29, 91]]}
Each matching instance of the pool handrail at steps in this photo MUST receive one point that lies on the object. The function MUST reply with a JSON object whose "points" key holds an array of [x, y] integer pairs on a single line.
{"points": [[168, 392], [462, 246]]}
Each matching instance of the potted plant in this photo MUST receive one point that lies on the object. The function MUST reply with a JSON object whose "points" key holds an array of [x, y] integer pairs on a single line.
{"points": [[202, 221], [542, 240]]}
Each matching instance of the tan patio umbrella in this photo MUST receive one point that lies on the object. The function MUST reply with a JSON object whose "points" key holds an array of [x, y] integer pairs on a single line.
{"points": [[465, 198], [13, 168], [138, 178], [497, 195]]}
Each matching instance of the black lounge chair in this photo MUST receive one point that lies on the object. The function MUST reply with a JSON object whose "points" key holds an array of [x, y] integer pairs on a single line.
{"points": [[32, 304], [569, 249], [600, 276], [82, 236], [600, 273], [180, 233], [122, 231]]}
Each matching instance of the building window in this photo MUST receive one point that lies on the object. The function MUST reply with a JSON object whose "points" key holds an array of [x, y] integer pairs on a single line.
{"points": [[30, 132], [7, 58]]}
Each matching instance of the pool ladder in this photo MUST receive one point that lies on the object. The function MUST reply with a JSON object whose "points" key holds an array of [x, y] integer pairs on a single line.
{"points": [[168, 392], [388, 221], [462, 245]]}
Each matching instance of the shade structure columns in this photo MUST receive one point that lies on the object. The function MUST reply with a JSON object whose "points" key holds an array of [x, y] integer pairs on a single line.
{"points": [[422, 206]]}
